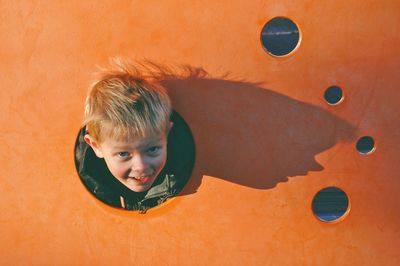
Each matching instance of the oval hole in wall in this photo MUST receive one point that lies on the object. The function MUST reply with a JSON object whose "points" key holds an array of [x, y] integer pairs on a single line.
{"points": [[104, 186], [280, 36], [330, 204], [365, 145], [333, 95]]}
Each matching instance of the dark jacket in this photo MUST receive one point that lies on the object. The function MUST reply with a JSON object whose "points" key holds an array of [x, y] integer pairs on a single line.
{"points": [[100, 182]]}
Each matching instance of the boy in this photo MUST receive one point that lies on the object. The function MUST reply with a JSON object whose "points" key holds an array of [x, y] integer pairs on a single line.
{"points": [[123, 152]]}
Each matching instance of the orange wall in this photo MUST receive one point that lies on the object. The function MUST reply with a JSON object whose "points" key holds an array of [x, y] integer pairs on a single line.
{"points": [[266, 140]]}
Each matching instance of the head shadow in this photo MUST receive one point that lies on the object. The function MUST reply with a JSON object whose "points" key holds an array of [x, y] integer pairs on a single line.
{"points": [[250, 135]]}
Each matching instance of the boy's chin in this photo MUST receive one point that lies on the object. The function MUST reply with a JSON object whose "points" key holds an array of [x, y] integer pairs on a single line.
{"points": [[137, 186], [139, 189]]}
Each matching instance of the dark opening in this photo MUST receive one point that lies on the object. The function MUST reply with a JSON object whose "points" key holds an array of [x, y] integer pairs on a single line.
{"points": [[280, 36], [103, 185], [329, 204], [333, 95], [365, 145]]}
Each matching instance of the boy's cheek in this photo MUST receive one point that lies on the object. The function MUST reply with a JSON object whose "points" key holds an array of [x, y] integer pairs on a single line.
{"points": [[114, 168], [160, 161]]}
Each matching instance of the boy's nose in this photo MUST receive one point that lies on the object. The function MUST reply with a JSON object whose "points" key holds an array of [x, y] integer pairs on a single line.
{"points": [[139, 165]]}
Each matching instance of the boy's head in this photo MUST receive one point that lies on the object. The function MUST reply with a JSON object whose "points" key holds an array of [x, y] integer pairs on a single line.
{"points": [[127, 123]]}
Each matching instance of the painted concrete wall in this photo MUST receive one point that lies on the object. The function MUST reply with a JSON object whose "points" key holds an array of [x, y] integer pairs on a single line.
{"points": [[266, 140]]}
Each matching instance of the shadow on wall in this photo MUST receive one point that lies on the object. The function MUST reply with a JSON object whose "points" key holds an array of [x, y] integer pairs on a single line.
{"points": [[250, 135]]}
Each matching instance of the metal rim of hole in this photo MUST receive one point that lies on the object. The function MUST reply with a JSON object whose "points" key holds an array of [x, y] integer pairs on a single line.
{"points": [[273, 23], [338, 217], [334, 95], [365, 145]]}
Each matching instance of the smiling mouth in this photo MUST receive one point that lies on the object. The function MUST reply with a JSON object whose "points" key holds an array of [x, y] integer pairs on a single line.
{"points": [[142, 179]]}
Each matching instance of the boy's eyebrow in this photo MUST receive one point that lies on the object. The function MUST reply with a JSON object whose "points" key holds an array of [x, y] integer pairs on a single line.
{"points": [[146, 143]]}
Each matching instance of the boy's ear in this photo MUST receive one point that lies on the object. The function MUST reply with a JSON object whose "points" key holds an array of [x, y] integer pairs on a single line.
{"points": [[171, 124], [95, 146]]}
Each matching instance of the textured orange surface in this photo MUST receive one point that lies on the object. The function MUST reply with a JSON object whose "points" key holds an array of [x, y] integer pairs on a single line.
{"points": [[266, 140]]}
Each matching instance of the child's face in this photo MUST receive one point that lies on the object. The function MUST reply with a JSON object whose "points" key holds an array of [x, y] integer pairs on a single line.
{"points": [[136, 164]]}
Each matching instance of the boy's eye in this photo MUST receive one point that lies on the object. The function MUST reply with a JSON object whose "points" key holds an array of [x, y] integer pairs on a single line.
{"points": [[123, 154], [153, 150]]}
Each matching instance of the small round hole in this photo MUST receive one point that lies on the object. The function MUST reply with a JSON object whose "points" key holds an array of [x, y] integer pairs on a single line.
{"points": [[280, 36], [330, 204], [333, 95], [365, 145]]}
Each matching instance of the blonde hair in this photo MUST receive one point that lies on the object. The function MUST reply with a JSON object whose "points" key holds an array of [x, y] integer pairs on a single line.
{"points": [[124, 103]]}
